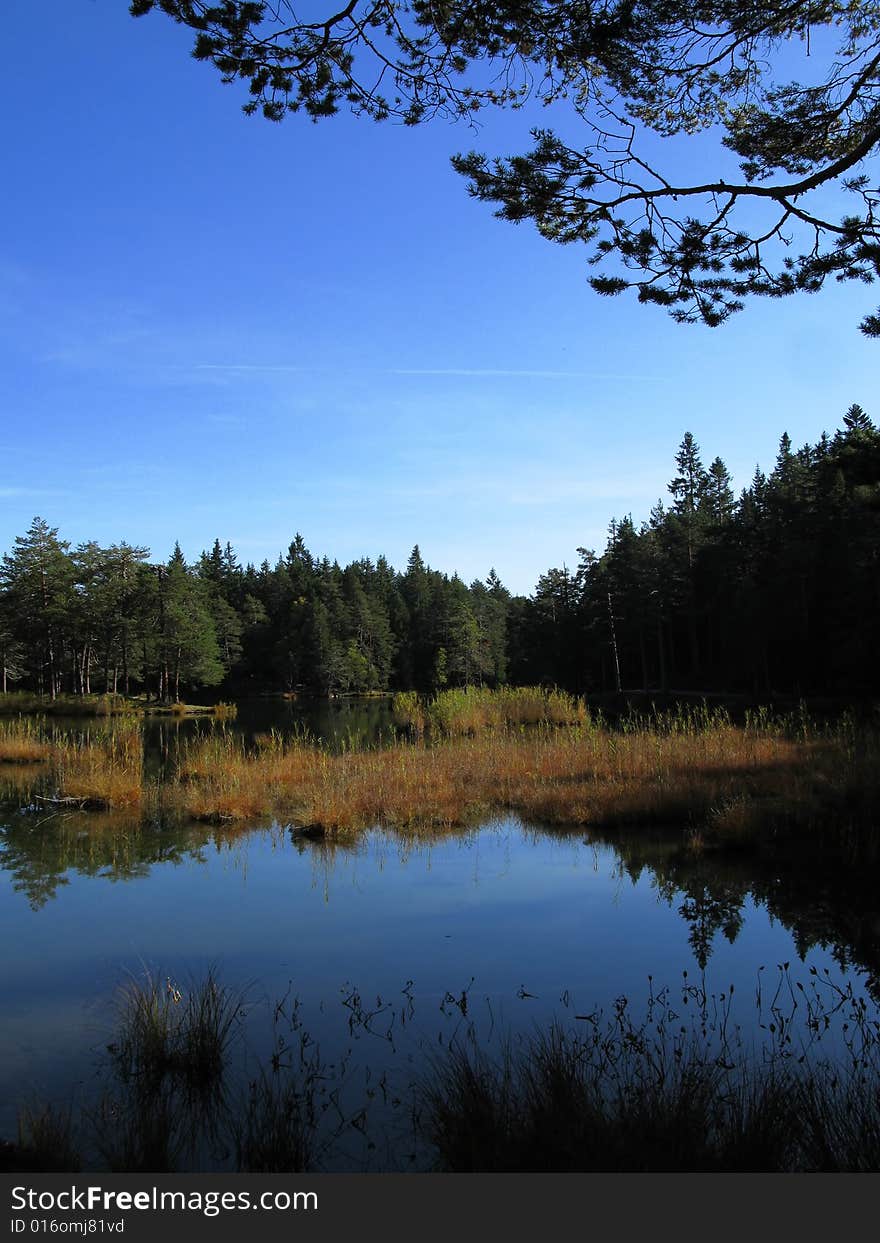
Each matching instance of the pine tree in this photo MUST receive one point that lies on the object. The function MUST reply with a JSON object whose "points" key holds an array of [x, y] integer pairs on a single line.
{"points": [[855, 420], [37, 580]]}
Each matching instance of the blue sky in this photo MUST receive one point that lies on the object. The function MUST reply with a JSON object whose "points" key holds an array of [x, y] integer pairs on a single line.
{"points": [[211, 326]]}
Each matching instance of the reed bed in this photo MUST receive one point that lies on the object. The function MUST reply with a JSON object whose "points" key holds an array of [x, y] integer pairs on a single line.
{"points": [[470, 709], [673, 1086], [104, 769], [23, 702], [728, 786], [99, 769], [735, 782], [638, 1101], [23, 742]]}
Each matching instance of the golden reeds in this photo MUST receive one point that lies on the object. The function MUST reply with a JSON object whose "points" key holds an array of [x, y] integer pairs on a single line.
{"points": [[23, 742], [725, 784], [737, 781]]}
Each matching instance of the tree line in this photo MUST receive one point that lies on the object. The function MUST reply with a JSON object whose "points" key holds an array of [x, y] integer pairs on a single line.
{"points": [[776, 591]]}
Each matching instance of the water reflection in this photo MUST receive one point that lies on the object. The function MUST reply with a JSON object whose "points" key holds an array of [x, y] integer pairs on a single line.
{"points": [[502, 927], [711, 893]]}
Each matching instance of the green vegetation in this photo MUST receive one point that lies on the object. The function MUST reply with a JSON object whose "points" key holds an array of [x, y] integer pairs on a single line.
{"points": [[767, 596], [469, 709]]}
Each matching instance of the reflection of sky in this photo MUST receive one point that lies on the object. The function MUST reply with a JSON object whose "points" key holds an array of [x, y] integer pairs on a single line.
{"points": [[516, 912]]}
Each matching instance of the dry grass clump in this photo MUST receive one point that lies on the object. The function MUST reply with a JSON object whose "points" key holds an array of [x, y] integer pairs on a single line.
{"points": [[729, 786], [23, 742], [104, 769], [735, 778], [468, 710], [219, 779], [101, 768]]}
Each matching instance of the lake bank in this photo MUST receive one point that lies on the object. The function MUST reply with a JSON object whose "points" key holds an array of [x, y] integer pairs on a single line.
{"points": [[759, 786]]}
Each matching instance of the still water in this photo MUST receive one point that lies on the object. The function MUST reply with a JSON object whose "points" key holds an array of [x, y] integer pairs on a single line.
{"points": [[392, 947], [505, 926]]}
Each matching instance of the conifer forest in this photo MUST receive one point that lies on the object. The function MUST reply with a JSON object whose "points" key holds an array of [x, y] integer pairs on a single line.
{"points": [[771, 591]]}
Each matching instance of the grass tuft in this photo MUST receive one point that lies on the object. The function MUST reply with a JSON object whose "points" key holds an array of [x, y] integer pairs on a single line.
{"points": [[168, 1032]]}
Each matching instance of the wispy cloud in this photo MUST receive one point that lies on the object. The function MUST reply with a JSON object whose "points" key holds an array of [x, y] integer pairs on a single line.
{"points": [[248, 367], [455, 372], [17, 493], [226, 420], [523, 488], [515, 373]]}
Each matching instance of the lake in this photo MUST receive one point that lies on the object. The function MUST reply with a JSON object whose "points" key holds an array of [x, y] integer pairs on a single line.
{"points": [[389, 947]]}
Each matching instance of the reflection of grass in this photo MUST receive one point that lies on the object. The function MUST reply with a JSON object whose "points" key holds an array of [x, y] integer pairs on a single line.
{"points": [[168, 1060]]}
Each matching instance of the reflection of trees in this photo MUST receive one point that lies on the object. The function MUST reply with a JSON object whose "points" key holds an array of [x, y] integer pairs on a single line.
{"points": [[40, 851], [822, 906], [707, 913]]}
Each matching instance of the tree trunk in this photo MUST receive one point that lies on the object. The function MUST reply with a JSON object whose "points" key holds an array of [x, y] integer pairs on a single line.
{"points": [[661, 653]]}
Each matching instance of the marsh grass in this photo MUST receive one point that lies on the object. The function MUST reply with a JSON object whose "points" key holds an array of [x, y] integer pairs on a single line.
{"points": [[103, 769], [178, 1033], [730, 786], [471, 709], [173, 1103], [23, 741], [557, 1106], [22, 702], [46, 1139], [726, 786], [276, 1131], [674, 1086], [655, 1095]]}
